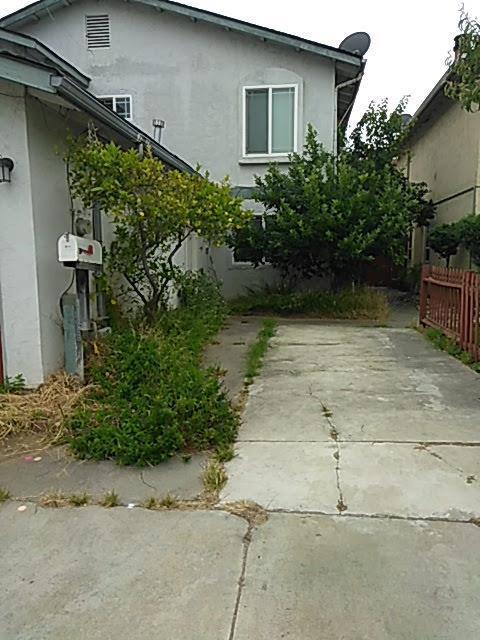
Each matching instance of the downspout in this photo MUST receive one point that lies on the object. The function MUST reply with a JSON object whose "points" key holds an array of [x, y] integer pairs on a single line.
{"points": [[336, 126]]}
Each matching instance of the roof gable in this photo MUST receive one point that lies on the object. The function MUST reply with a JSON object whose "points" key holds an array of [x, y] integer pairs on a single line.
{"points": [[43, 8]]}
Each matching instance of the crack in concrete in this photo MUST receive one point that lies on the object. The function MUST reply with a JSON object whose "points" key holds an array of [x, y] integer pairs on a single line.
{"points": [[469, 478], [247, 539], [335, 436], [377, 516], [431, 443], [146, 483]]}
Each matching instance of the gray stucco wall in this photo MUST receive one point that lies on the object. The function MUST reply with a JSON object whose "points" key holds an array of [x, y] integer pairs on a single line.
{"points": [[192, 76], [20, 319], [47, 130]]}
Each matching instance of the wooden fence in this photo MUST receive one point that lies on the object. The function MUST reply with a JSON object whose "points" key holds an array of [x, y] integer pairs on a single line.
{"points": [[449, 301]]}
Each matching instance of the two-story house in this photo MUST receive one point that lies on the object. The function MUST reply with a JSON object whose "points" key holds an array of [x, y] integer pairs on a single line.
{"points": [[225, 94]]}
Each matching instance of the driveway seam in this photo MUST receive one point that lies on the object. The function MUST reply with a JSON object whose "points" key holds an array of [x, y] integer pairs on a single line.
{"points": [[374, 516], [247, 539]]}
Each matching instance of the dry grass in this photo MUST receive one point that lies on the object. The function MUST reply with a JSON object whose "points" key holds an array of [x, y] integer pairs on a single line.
{"points": [[110, 499], [54, 500], [214, 477], [41, 412], [250, 511]]}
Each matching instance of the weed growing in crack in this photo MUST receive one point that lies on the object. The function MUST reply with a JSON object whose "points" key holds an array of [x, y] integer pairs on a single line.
{"points": [[328, 413], [79, 499], [225, 453], [168, 502], [257, 351], [110, 499], [4, 495], [214, 477], [341, 506], [150, 503]]}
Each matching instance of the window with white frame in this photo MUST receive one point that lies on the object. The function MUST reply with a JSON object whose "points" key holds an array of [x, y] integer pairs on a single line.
{"points": [[270, 120], [122, 105]]}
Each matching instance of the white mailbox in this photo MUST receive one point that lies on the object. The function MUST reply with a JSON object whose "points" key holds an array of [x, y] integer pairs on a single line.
{"points": [[81, 253]]}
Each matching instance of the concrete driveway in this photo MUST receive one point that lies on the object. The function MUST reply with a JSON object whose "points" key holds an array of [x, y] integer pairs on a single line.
{"points": [[363, 446]]}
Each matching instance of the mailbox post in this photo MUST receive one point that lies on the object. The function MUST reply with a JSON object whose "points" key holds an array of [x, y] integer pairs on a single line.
{"points": [[83, 255]]}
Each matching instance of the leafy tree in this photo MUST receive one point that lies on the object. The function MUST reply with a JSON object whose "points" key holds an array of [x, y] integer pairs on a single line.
{"points": [[469, 232], [328, 215], [464, 85], [444, 239], [154, 210]]}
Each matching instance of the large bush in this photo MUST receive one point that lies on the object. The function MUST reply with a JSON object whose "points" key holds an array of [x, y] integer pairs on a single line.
{"points": [[444, 239], [154, 211], [151, 397], [329, 216]]}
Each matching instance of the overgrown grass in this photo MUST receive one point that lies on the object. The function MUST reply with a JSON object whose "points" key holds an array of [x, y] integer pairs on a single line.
{"points": [[362, 303], [257, 351], [110, 499], [214, 477], [444, 343], [151, 398]]}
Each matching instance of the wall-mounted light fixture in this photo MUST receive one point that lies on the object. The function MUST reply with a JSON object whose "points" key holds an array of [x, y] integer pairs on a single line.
{"points": [[6, 168]]}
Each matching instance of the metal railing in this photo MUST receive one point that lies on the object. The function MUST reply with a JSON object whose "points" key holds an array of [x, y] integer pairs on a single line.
{"points": [[449, 301]]}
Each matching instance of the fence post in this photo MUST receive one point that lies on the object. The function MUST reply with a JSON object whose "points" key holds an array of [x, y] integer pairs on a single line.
{"points": [[423, 292], [463, 309]]}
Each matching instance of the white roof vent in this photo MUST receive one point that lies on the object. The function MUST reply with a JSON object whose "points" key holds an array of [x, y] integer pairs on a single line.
{"points": [[97, 31]]}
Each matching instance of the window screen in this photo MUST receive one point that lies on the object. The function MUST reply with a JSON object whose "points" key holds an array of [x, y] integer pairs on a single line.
{"points": [[283, 113]]}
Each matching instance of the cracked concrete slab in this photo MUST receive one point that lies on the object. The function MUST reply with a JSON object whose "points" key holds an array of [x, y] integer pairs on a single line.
{"points": [[284, 475], [313, 577], [59, 471], [402, 479], [116, 573], [229, 351]]}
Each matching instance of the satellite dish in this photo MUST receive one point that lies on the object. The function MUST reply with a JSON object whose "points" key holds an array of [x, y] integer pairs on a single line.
{"points": [[357, 43]]}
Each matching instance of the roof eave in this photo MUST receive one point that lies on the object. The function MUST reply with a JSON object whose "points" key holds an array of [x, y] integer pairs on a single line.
{"points": [[86, 101], [28, 42], [44, 7]]}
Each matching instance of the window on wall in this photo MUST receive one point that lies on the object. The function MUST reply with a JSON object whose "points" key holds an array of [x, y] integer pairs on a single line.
{"points": [[270, 120], [122, 105], [97, 31]]}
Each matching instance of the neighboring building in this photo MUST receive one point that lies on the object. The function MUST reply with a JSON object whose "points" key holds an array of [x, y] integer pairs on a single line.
{"points": [[444, 151], [42, 99], [233, 96]]}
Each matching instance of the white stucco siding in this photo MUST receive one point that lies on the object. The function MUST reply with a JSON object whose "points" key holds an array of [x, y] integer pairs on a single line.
{"points": [[20, 317], [47, 131], [191, 75]]}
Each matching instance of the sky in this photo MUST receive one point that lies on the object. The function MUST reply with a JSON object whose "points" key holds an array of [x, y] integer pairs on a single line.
{"points": [[411, 39]]}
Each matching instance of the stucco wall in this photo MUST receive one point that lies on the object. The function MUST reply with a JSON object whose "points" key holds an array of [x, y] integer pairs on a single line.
{"points": [[192, 75], [446, 155], [47, 133], [20, 319]]}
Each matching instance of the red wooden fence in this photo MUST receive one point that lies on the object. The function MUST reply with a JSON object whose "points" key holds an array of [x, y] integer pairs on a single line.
{"points": [[449, 301]]}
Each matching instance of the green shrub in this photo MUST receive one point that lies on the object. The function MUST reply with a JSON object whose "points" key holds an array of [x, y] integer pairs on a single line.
{"points": [[347, 304], [444, 343], [13, 385], [151, 397]]}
